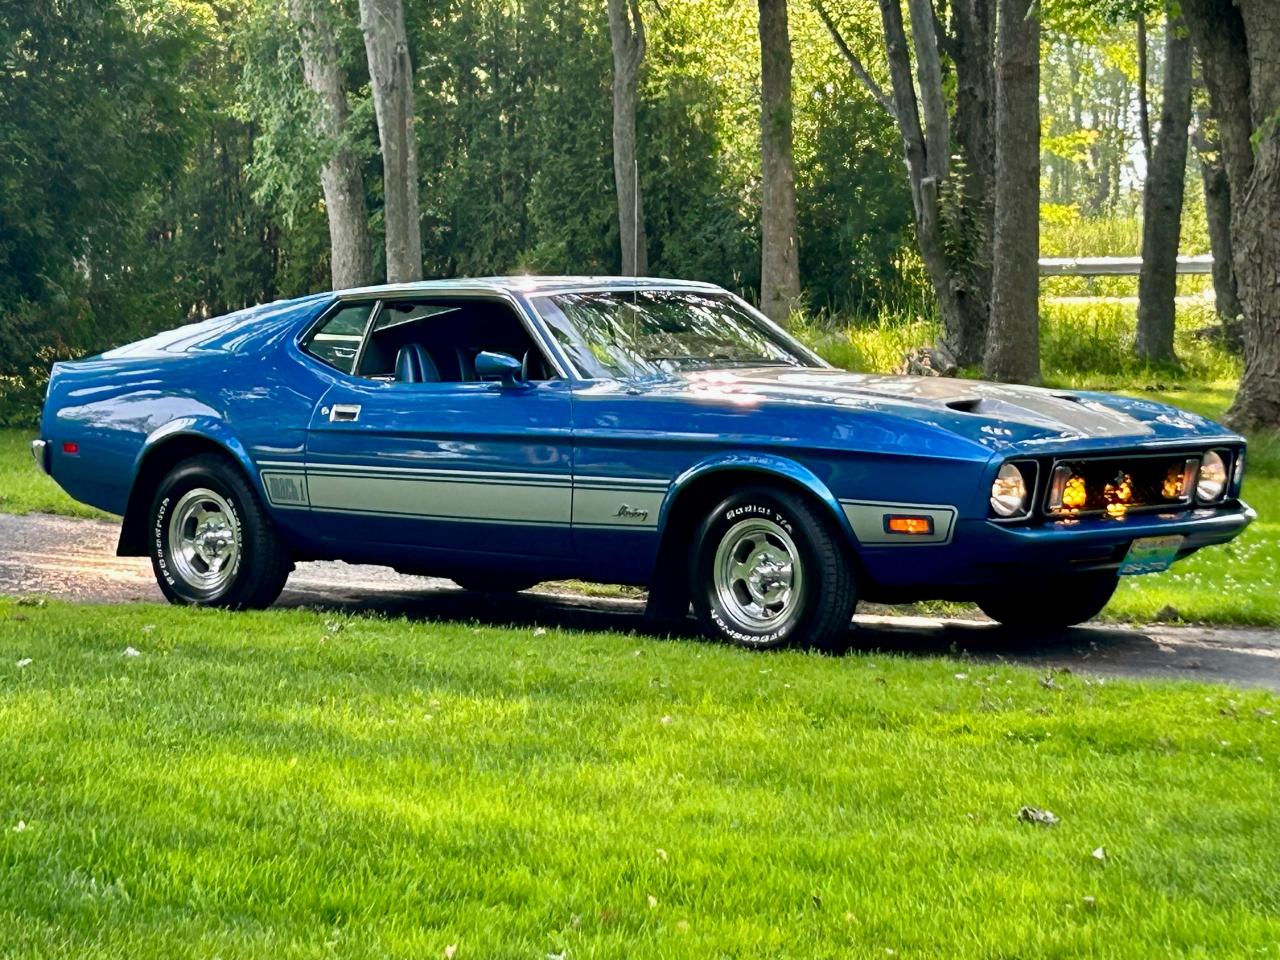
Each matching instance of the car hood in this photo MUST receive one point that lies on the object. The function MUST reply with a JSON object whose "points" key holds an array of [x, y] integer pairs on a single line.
{"points": [[997, 416]]}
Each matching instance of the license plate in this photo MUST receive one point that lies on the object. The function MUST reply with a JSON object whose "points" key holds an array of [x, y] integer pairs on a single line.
{"points": [[1150, 555]]}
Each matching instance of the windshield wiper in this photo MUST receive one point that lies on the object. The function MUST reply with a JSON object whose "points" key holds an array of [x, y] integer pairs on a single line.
{"points": [[723, 361]]}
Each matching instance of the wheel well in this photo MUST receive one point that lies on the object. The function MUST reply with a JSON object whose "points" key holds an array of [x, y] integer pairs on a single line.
{"points": [[669, 586], [155, 466]]}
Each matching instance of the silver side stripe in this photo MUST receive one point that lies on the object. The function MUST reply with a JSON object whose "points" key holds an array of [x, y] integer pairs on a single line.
{"points": [[630, 507], [468, 496], [429, 497], [867, 517]]}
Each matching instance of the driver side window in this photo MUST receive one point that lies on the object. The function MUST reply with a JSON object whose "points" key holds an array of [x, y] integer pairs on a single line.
{"points": [[437, 341]]}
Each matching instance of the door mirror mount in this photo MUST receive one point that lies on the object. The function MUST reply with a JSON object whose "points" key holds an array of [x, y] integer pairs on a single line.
{"points": [[499, 366]]}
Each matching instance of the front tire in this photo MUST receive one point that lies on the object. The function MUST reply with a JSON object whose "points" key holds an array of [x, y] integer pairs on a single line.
{"points": [[1054, 605], [211, 542], [768, 570]]}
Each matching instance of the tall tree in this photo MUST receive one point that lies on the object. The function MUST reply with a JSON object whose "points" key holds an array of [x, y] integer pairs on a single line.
{"points": [[626, 32], [953, 215], [1013, 344], [779, 256], [1217, 212], [1237, 40], [1144, 80], [391, 76], [972, 47], [350, 258], [1162, 195]]}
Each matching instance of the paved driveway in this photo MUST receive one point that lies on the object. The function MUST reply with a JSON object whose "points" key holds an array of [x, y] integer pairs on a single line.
{"points": [[75, 560]]}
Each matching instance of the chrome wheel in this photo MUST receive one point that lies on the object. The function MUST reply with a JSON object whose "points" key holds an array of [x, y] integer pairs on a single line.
{"points": [[204, 545], [758, 575]]}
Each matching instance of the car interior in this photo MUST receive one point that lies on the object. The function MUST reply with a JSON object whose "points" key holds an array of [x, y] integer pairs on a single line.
{"points": [[436, 341]]}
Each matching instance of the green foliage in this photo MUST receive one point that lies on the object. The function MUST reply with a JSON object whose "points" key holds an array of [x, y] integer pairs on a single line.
{"points": [[125, 205]]}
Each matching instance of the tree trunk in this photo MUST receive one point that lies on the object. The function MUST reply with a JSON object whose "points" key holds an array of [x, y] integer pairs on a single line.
{"points": [[350, 258], [1144, 93], [1162, 201], [779, 255], [1217, 211], [626, 31], [974, 55], [1013, 347], [924, 188], [391, 77], [1244, 96]]}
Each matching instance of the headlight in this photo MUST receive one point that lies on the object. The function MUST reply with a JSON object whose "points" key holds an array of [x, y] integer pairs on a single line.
{"points": [[1212, 482], [1237, 474], [1009, 492]]}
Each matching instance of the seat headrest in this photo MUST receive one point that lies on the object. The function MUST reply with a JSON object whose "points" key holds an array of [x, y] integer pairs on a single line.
{"points": [[414, 365]]}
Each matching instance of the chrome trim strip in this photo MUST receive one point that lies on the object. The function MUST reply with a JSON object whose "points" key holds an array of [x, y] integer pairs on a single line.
{"points": [[641, 483], [629, 481], [435, 472]]}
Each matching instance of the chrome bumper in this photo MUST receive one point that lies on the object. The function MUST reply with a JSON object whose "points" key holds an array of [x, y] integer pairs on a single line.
{"points": [[40, 451]]}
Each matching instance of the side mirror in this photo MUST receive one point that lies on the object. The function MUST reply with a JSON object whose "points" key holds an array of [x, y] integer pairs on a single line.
{"points": [[499, 366]]}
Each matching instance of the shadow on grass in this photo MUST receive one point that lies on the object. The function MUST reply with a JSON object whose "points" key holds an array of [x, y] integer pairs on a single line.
{"points": [[1247, 657]]}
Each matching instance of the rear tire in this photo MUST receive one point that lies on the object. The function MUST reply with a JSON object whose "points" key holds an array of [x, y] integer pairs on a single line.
{"points": [[1055, 605], [211, 542], [768, 570]]}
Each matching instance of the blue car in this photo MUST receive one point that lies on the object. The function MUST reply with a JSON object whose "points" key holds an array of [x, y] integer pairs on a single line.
{"points": [[502, 432]]}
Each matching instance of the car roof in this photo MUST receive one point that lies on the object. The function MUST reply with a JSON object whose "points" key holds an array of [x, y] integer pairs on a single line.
{"points": [[523, 284]]}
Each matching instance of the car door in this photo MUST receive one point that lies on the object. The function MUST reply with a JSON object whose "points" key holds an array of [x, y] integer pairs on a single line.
{"points": [[457, 466]]}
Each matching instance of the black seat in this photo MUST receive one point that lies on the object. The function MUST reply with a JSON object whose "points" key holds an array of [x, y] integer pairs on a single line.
{"points": [[532, 367], [467, 363], [414, 365]]}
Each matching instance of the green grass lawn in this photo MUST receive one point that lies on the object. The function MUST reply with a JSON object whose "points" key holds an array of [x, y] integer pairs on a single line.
{"points": [[293, 784]]}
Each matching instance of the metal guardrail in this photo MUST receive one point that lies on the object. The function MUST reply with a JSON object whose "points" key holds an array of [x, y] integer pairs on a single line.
{"points": [[1115, 266]]}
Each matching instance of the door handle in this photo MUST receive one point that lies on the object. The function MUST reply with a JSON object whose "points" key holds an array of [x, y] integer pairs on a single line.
{"points": [[344, 413]]}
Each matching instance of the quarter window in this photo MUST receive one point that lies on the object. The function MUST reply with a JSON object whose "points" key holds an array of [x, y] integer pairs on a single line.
{"points": [[337, 340]]}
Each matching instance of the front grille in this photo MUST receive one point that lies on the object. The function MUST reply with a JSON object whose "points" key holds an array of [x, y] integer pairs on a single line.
{"points": [[1116, 486]]}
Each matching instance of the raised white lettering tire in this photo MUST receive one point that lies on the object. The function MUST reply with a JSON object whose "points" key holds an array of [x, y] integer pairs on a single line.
{"points": [[210, 540], [769, 570]]}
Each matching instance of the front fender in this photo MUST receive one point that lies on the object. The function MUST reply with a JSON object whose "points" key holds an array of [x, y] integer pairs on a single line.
{"points": [[769, 467]]}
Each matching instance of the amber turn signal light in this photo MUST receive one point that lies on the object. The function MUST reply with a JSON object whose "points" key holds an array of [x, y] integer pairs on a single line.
{"points": [[911, 526]]}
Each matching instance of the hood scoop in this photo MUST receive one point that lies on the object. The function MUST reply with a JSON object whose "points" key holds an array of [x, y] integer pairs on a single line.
{"points": [[1053, 410]]}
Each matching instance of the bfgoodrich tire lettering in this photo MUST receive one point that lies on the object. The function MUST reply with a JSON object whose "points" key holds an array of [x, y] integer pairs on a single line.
{"points": [[768, 570], [210, 540]]}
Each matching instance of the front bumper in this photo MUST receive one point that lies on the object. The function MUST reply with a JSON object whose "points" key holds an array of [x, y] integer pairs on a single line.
{"points": [[1097, 543], [984, 553], [40, 451]]}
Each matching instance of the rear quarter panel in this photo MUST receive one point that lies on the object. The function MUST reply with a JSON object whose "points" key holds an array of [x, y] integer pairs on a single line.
{"points": [[240, 390]]}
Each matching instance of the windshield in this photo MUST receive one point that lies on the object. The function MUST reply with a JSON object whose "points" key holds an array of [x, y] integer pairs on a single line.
{"points": [[629, 333]]}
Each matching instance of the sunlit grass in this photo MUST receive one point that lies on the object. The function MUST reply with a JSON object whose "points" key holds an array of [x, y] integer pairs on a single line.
{"points": [[295, 784]]}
